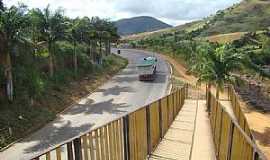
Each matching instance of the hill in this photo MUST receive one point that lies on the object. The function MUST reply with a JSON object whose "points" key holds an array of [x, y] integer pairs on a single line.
{"points": [[246, 16], [185, 27], [139, 24]]}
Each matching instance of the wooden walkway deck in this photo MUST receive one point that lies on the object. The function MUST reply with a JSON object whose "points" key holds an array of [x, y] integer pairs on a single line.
{"points": [[189, 137]]}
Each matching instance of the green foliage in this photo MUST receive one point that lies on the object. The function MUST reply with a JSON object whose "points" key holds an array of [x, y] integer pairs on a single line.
{"points": [[214, 64], [37, 41]]}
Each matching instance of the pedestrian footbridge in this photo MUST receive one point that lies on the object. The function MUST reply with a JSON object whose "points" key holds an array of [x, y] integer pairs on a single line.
{"points": [[179, 126]]}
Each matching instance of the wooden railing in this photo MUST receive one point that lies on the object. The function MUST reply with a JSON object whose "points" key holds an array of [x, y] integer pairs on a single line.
{"points": [[130, 137], [231, 140], [239, 114]]}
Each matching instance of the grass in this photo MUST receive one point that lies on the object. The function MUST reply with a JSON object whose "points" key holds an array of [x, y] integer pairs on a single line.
{"points": [[21, 118], [226, 38]]}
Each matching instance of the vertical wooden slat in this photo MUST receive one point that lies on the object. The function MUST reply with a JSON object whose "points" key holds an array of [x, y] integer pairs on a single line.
{"points": [[97, 144], [121, 140], [102, 148], [48, 156], [132, 136], [116, 140], [85, 147], [106, 141], [111, 139], [224, 144], [91, 146], [58, 153], [154, 125]]}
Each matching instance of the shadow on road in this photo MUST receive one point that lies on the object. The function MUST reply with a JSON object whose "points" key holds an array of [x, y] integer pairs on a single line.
{"points": [[116, 90], [44, 142], [98, 108]]}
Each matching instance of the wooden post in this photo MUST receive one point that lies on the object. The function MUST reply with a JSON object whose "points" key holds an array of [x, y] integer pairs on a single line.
{"points": [[220, 133]]}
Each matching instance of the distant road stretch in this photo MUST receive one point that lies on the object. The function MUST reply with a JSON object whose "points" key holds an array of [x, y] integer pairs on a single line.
{"points": [[122, 94]]}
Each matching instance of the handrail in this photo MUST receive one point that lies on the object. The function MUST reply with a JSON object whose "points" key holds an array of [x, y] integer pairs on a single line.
{"points": [[119, 139], [230, 139]]}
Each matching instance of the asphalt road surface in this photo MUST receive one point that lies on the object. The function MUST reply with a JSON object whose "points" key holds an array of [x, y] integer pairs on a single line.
{"points": [[122, 94]]}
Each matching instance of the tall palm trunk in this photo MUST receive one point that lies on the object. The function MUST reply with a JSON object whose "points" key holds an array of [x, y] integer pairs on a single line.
{"points": [[51, 66], [208, 96], [9, 78], [108, 47], [217, 92], [100, 51], [94, 50], [5, 61], [75, 59]]}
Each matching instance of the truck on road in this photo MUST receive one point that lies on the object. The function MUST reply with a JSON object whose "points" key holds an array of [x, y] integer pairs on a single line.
{"points": [[147, 69]]}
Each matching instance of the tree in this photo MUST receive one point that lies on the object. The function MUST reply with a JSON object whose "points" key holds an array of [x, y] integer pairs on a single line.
{"points": [[215, 64], [80, 31], [52, 27], [2, 8], [12, 26]]}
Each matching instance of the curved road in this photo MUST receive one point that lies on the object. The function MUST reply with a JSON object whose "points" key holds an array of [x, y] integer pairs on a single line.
{"points": [[122, 94]]}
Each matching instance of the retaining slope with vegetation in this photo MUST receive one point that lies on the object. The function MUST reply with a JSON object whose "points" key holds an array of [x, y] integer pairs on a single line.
{"points": [[47, 61]]}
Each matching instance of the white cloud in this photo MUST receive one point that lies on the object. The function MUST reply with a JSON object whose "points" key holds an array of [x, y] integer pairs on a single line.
{"points": [[171, 11]]}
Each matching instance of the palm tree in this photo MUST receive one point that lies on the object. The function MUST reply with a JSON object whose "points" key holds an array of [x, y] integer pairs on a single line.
{"points": [[80, 32], [51, 27], [214, 65], [12, 25]]}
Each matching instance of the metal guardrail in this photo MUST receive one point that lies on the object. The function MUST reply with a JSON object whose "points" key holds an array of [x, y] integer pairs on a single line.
{"points": [[131, 137], [232, 142]]}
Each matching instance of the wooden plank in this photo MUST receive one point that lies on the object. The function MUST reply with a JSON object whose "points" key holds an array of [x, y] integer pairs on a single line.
{"points": [[164, 111], [132, 140], [91, 146], [58, 153], [217, 127], [85, 147], [97, 144], [224, 144], [102, 146], [154, 125], [142, 134], [171, 116], [116, 144], [111, 137], [235, 150], [106, 141], [121, 140], [48, 156]]}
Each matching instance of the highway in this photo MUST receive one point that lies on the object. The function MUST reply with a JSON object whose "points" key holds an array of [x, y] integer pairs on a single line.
{"points": [[122, 94]]}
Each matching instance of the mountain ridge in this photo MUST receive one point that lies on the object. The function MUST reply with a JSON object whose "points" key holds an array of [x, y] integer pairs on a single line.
{"points": [[135, 25]]}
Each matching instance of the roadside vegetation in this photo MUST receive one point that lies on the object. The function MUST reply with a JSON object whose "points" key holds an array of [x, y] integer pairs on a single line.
{"points": [[47, 62], [243, 60]]}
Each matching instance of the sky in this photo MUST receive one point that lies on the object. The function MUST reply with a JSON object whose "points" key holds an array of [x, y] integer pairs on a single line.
{"points": [[174, 12]]}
